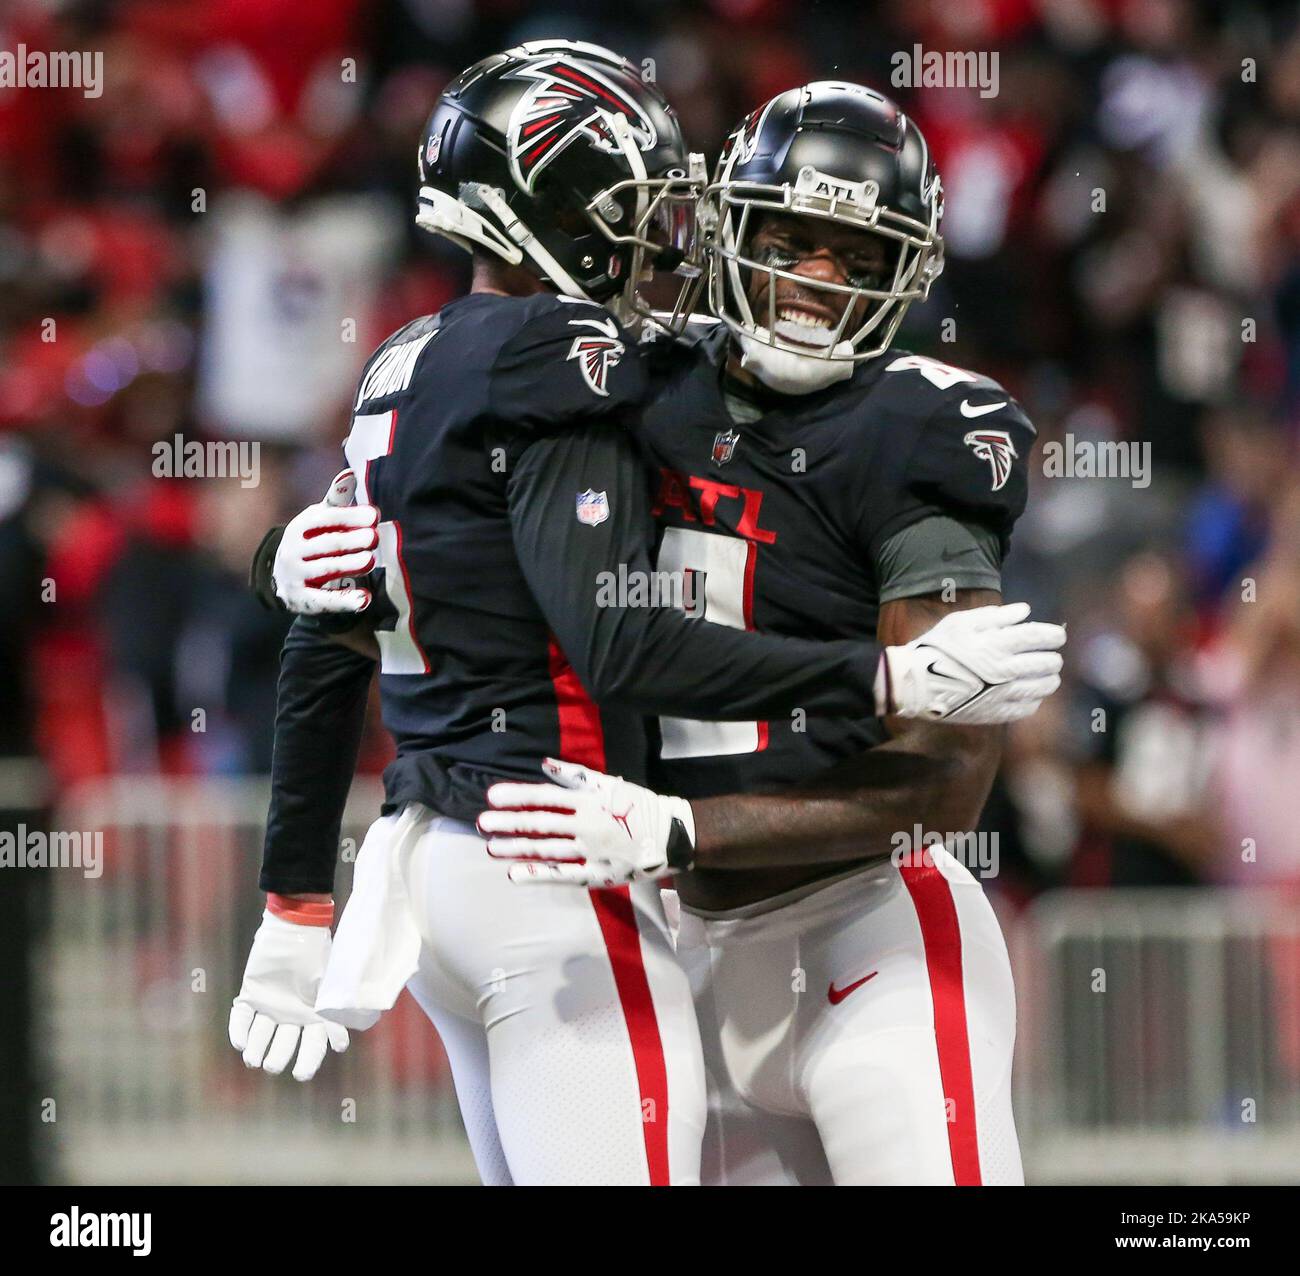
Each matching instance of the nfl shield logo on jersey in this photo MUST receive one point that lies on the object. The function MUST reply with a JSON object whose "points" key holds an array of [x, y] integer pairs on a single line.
{"points": [[593, 507], [724, 444]]}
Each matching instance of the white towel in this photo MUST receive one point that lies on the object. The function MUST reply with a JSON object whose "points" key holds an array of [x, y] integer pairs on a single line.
{"points": [[377, 945]]}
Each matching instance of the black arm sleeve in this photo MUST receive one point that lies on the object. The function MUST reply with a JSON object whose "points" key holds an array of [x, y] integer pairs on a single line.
{"points": [[655, 660], [319, 713]]}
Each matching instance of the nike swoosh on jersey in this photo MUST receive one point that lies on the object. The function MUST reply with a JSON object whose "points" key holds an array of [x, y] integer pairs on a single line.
{"points": [[836, 995], [970, 410]]}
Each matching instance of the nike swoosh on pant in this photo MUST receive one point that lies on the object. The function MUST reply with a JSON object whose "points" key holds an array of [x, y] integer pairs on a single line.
{"points": [[836, 995]]}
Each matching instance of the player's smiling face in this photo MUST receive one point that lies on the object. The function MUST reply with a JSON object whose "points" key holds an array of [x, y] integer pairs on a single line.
{"points": [[823, 252]]}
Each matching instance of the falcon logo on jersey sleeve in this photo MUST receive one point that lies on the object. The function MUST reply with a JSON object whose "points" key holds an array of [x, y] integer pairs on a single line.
{"points": [[593, 507], [597, 352], [563, 104], [995, 447]]}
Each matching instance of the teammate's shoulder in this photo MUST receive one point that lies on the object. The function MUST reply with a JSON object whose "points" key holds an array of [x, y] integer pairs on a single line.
{"points": [[552, 313], [391, 367], [699, 331], [416, 330], [670, 350], [565, 359]]}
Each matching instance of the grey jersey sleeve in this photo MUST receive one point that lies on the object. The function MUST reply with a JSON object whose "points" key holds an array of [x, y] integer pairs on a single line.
{"points": [[937, 553]]}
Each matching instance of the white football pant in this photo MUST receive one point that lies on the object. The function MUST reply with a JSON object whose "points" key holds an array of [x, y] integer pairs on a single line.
{"points": [[859, 1032], [567, 1020]]}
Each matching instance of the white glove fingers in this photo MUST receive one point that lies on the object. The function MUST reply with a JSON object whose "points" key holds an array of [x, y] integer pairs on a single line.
{"points": [[1034, 635], [1010, 703], [1031, 689], [528, 823], [260, 1033], [1017, 711], [1033, 664], [283, 1044], [329, 544], [241, 1020], [532, 874], [563, 849], [342, 489], [572, 776], [274, 1019], [338, 1036], [336, 568], [321, 520], [995, 617], [516, 795], [312, 1053], [336, 601]]}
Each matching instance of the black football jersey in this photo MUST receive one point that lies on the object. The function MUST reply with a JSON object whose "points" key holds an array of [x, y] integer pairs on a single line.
{"points": [[778, 523], [494, 440], [471, 682]]}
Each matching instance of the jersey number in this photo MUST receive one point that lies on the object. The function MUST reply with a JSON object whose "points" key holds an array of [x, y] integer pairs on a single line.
{"points": [[723, 570], [399, 650], [941, 375]]}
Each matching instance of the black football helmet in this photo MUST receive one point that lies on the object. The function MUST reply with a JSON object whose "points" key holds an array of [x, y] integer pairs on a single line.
{"points": [[556, 155], [828, 150]]}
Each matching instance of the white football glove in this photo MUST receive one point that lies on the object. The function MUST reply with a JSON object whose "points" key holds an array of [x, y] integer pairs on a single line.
{"points": [[323, 545], [587, 829], [985, 665], [275, 1009]]}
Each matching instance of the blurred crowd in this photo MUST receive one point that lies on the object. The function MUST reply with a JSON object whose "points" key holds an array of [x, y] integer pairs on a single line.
{"points": [[211, 247]]}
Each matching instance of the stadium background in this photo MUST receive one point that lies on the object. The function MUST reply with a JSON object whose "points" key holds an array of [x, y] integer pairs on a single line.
{"points": [[223, 235]]}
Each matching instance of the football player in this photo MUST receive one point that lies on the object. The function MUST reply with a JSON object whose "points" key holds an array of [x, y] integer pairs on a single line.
{"points": [[481, 567], [852, 985]]}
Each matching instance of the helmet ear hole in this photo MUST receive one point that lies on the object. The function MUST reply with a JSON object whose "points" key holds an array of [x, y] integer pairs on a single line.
{"points": [[572, 221]]}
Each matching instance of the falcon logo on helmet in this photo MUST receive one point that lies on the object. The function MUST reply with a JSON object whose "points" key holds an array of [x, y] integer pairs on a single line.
{"points": [[566, 102], [746, 137], [995, 447], [597, 352]]}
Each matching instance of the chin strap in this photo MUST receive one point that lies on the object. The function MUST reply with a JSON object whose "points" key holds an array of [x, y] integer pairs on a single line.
{"points": [[443, 214], [790, 373], [524, 239]]}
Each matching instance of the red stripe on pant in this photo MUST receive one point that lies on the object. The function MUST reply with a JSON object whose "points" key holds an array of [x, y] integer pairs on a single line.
{"points": [[582, 740], [941, 934]]}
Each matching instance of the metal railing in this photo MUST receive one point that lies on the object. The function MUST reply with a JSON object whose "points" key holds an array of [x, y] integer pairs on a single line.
{"points": [[1159, 1036], [141, 965]]}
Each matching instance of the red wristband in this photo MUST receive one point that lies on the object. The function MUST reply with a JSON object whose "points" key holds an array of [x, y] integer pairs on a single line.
{"points": [[302, 912]]}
